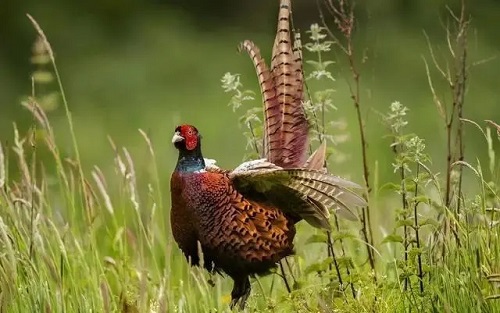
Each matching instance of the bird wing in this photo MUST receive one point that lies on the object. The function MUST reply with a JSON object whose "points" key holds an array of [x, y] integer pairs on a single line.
{"points": [[307, 193]]}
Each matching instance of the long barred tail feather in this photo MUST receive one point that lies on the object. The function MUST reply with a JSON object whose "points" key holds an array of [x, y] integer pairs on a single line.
{"points": [[317, 159], [285, 127], [286, 68], [272, 108]]}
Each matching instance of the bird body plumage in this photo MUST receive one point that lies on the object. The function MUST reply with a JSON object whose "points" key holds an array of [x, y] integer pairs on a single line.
{"points": [[238, 236], [234, 232]]}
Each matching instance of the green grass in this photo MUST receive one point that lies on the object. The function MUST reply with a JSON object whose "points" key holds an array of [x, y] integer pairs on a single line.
{"points": [[81, 238]]}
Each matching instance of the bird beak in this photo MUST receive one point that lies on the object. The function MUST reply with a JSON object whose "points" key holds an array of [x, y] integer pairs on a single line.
{"points": [[177, 137]]}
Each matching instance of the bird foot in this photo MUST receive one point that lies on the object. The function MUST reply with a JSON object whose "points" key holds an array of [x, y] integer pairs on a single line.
{"points": [[240, 293]]}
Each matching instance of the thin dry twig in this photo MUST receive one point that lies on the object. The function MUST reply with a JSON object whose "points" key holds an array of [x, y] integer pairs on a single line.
{"points": [[342, 12], [456, 77]]}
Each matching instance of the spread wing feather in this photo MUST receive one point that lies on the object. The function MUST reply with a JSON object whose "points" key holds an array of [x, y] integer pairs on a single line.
{"points": [[309, 194]]}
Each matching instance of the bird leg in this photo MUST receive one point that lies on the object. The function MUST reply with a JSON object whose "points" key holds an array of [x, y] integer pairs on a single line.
{"points": [[241, 292]]}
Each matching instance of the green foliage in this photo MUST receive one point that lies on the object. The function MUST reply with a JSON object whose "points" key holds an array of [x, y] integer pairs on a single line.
{"points": [[250, 120], [319, 45]]}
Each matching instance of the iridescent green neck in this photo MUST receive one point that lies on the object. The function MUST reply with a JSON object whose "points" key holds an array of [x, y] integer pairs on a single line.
{"points": [[190, 162]]}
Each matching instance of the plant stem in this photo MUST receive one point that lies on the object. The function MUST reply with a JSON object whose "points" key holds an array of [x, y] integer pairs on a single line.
{"points": [[284, 277], [404, 202], [417, 233]]}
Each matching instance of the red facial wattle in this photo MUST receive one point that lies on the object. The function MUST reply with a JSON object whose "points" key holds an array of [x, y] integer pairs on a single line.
{"points": [[190, 136]]}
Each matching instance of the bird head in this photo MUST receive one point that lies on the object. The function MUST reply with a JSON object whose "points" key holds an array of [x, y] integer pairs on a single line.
{"points": [[186, 138]]}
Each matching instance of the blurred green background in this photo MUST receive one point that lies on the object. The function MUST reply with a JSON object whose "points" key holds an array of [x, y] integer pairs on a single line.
{"points": [[129, 64]]}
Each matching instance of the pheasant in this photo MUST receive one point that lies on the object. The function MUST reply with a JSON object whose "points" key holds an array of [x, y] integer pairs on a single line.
{"points": [[244, 219]]}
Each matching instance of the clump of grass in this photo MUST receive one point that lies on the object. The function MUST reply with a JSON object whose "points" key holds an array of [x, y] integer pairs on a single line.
{"points": [[74, 240]]}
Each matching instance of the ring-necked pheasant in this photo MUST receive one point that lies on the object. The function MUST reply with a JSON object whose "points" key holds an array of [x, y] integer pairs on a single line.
{"points": [[244, 219]]}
